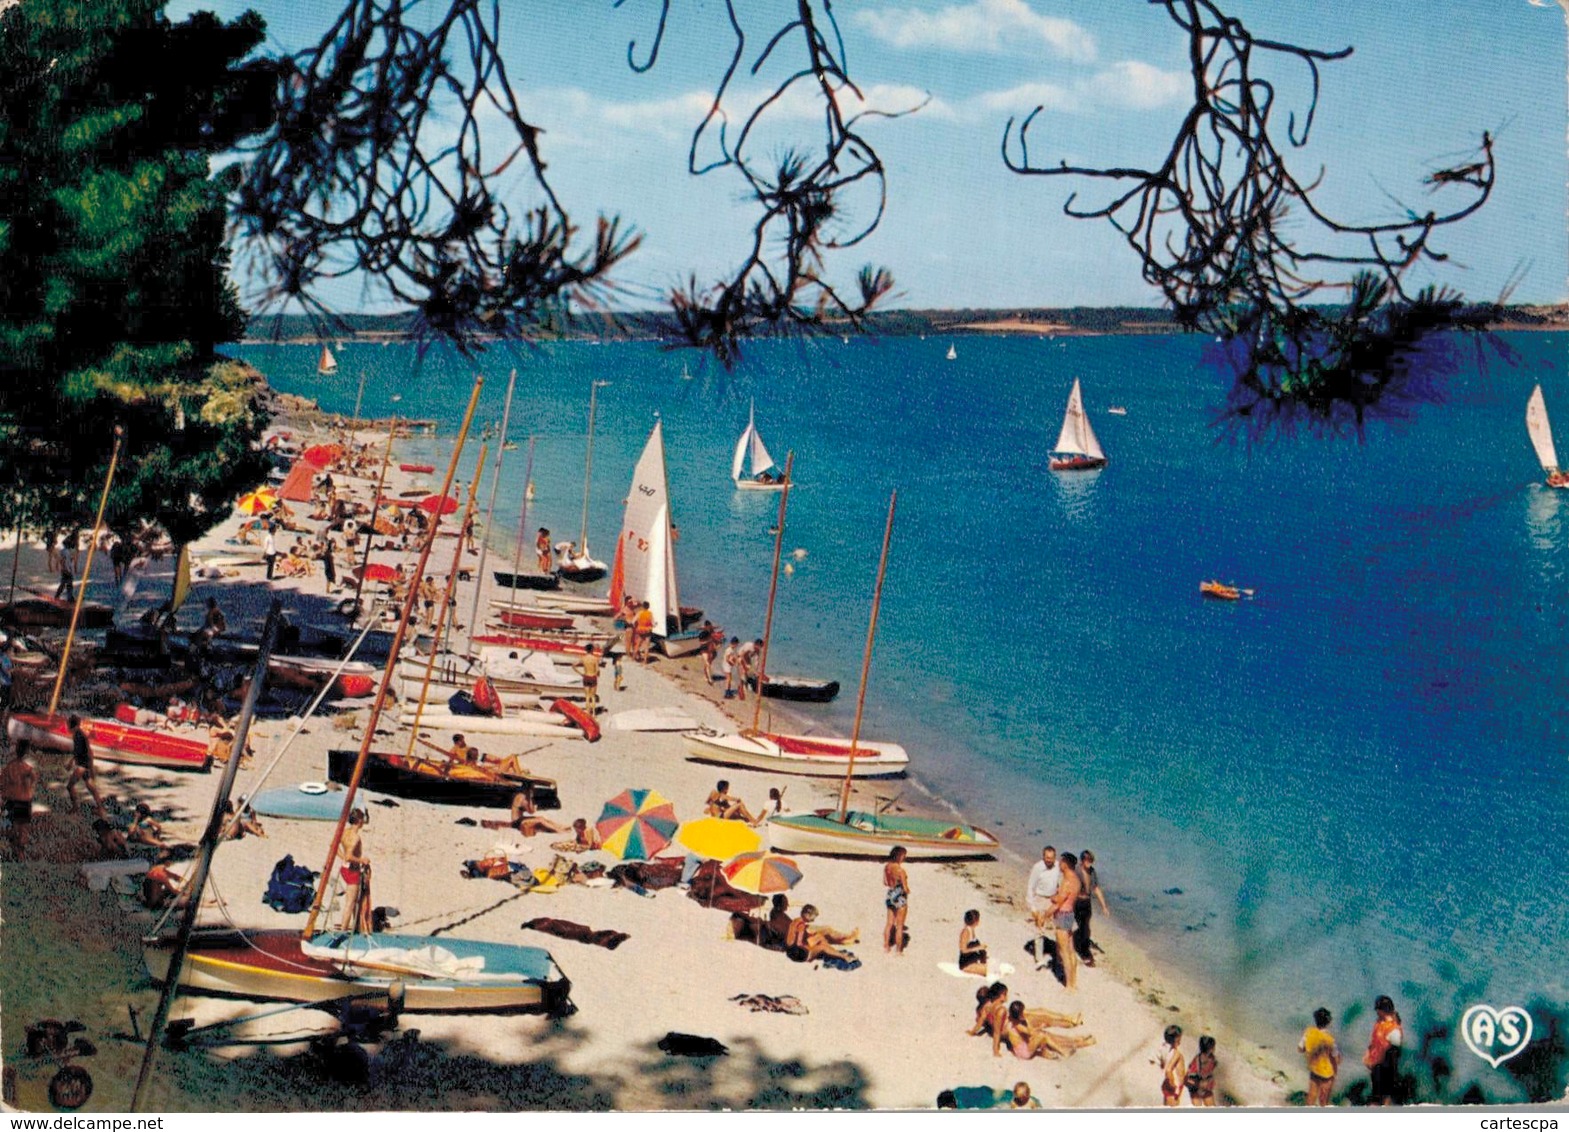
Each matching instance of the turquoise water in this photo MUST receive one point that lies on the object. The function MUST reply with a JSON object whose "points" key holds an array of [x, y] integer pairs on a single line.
{"points": [[1357, 780]]}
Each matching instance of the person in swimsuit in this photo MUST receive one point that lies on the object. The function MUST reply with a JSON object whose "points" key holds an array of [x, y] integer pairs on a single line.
{"points": [[897, 900], [17, 782], [1200, 1078], [584, 838], [82, 765], [589, 667], [721, 805], [1383, 1051], [806, 941], [355, 871], [145, 830], [1323, 1058], [526, 820], [1063, 921], [1027, 1041], [1173, 1069], [972, 953], [542, 550], [642, 633]]}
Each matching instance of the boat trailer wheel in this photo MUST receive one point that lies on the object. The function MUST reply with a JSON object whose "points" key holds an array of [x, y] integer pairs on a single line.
{"points": [[70, 1087]]}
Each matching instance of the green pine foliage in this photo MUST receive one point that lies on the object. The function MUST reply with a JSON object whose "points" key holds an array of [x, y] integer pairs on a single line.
{"points": [[114, 289]]}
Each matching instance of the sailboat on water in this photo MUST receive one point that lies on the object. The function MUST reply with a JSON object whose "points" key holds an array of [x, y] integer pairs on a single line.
{"points": [[576, 564], [1077, 448], [411, 972], [645, 566], [326, 364], [953, 353], [751, 447], [871, 833], [1541, 431]]}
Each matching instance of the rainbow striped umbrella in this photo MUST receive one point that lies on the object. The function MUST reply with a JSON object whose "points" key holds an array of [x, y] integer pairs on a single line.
{"points": [[636, 824], [761, 873]]}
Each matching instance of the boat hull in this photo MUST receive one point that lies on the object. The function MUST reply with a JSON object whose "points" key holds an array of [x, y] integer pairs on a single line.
{"points": [[591, 572], [527, 724], [873, 835], [797, 754], [114, 742], [757, 485], [39, 612], [799, 689], [463, 785], [1076, 463], [533, 619], [508, 580], [680, 644], [273, 966]]}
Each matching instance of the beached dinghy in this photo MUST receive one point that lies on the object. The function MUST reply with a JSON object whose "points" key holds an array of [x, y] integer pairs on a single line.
{"points": [[1541, 432], [815, 756], [44, 611], [528, 617], [441, 780], [583, 604], [524, 721], [751, 448], [441, 975], [1077, 447], [114, 742], [860, 834], [508, 580], [535, 674], [801, 689]]}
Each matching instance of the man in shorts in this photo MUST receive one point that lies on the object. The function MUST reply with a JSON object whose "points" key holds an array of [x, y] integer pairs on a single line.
{"points": [[1063, 921], [1040, 893], [17, 783], [82, 769], [589, 667]]}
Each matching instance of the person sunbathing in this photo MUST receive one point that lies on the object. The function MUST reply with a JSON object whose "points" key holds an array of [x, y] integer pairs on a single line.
{"points": [[1027, 1041], [584, 838], [806, 941], [991, 1013], [526, 819], [110, 840], [721, 805], [160, 887], [144, 829]]}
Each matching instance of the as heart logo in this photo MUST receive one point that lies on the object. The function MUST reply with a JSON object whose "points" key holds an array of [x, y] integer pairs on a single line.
{"points": [[1495, 1035]]}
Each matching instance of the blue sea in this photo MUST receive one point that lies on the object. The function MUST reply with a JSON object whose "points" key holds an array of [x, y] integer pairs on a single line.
{"points": [[1353, 783]]}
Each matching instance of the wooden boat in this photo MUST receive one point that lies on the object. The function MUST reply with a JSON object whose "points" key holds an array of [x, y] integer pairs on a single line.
{"points": [[751, 448], [539, 643], [438, 780], [440, 975], [582, 604], [533, 619], [863, 834], [310, 674], [1077, 447], [114, 742], [811, 755], [1117, 411], [1222, 591], [506, 579], [419, 469], [44, 611], [800, 689], [535, 673], [541, 724], [1540, 430]]}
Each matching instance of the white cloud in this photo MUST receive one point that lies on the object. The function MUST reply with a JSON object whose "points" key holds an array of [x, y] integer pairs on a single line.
{"points": [[982, 26], [1139, 86], [1026, 97]]}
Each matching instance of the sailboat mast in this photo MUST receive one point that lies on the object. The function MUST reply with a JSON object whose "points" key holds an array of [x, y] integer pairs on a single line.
{"points": [[490, 508], [358, 398], [773, 590], [393, 658], [866, 660], [87, 572], [517, 551], [209, 843], [588, 462], [443, 619], [375, 510]]}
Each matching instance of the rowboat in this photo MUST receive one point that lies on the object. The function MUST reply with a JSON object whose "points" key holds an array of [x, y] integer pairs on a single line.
{"points": [[42, 611], [114, 742], [443, 975], [508, 580], [1222, 591], [533, 619], [1077, 447], [813, 756], [750, 447], [859, 833], [576, 603], [534, 674], [801, 689], [515, 641], [1540, 429], [464, 784], [541, 724]]}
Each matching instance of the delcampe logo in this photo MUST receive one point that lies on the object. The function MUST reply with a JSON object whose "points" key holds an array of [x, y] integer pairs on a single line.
{"points": [[1495, 1035]]}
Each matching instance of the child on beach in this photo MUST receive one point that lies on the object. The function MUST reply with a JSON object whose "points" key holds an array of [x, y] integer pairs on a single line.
{"points": [[1323, 1058], [735, 686]]}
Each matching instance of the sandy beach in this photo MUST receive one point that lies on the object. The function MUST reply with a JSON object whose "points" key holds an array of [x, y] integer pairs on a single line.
{"points": [[890, 1035]]}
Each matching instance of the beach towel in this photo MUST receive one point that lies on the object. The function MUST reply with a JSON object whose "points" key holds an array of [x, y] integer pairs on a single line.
{"points": [[647, 874], [578, 933], [710, 889], [993, 971], [834, 963], [770, 1004]]}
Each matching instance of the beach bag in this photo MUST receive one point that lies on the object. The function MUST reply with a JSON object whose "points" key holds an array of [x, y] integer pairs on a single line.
{"points": [[291, 888]]}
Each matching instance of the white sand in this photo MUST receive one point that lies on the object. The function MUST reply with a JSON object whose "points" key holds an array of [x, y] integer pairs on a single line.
{"points": [[889, 1035]]}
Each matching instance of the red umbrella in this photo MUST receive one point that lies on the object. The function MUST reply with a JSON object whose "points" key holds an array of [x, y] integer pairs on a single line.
{"points": [[322, 454], [378, 572], [438, 504]]}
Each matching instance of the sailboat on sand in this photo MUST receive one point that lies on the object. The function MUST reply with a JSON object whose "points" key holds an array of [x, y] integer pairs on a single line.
{"points": [[1077, 447], [1541, 431], [411, 972], [751, 446], [645, 566], [870, 833], [576, 564]]}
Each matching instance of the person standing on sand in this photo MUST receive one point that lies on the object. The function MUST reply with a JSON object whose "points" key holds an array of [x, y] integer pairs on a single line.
{"points": [[1062, 921], [1040, 892], [1089, 891], [17, 782], [589, 667], [1323, 1058], [897, 900], [82, 765], [542, 550], [66, 590], [1173, 1069], [734, 671], [642, 633], [711, 638], [751, 658], [355, 872], [329, 563], [427, 596], [1383, 1051], [270, 550], [1200, 1078]]}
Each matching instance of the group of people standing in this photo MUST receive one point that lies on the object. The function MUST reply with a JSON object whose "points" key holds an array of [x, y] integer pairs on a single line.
{"points": [[1061, 895]]}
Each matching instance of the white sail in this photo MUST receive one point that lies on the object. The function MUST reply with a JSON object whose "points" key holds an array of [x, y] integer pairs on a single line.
{"points": [[953, 354], [1077, 437], [647, 550], [1541, 431], [750, 444], [328, 363]]}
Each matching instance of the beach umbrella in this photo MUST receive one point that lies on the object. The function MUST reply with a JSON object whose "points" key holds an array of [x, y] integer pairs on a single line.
{"points": [[636, 824], [322, 454], [761, 873], [438, 504], [717, 839], [378, 572], [258, 502]]}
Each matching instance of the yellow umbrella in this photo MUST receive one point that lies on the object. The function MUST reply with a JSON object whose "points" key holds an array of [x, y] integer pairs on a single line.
{"points": [[718, 839], [257, 502]]}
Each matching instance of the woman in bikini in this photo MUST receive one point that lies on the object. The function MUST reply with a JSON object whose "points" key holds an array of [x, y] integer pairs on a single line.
{"points": [[1027, 1041], [897, 882]]}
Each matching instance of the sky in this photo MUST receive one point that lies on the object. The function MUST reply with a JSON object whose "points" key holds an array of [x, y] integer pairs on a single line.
{"points": [[961, 230]]}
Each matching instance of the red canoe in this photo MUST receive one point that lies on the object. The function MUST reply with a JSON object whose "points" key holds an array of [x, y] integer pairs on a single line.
{"points": [[524, 619], [578, 718], [114, 742], [533, 644], [419, 469]]}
